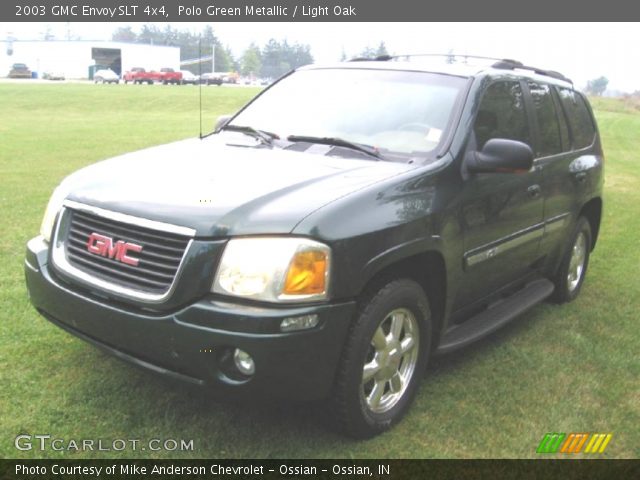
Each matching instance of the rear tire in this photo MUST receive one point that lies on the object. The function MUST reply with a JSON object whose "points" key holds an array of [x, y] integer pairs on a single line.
{"points": [[570, 277], [383, 360]]}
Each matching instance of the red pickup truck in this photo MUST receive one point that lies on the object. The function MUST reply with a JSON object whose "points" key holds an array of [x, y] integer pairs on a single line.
{"points": [[169, 75], [140, 75]]}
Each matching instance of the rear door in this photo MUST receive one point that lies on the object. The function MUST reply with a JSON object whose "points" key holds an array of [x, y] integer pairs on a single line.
{"points": [[569, 172]]}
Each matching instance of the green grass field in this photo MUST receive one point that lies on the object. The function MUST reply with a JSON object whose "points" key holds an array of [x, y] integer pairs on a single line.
{"points": [[570, 368]]}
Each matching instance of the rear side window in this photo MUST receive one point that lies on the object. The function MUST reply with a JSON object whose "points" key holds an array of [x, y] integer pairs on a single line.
{"points": [[580, 122], [564, 129], [548, 126], [502, 114]]}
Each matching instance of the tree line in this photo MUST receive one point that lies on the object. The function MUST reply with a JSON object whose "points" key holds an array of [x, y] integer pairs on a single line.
{"points": [[272, 60]]}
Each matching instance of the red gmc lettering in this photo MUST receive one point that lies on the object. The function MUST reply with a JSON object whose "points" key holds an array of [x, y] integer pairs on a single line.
{"points": [[104, 246]]}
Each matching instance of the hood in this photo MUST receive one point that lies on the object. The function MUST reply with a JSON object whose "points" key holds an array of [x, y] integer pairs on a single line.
{"points": [[222, 190]]}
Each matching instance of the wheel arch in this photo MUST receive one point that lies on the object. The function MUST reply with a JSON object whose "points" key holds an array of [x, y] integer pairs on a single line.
{"points": [[426, 268]]}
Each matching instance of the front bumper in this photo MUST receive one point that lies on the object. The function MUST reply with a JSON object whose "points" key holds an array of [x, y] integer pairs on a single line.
{"points": [[193, 343]]}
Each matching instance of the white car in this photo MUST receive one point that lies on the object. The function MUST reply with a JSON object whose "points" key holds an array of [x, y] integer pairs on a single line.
{"points": [[106, 76], [53, 76], [189, 78]]}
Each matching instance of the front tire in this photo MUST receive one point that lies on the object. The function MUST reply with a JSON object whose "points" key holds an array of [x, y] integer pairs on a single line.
{"points": [[570, 276], [384, 358]]}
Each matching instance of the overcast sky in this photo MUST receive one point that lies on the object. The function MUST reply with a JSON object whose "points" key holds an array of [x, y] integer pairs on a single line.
{"points": [[581, 51]]}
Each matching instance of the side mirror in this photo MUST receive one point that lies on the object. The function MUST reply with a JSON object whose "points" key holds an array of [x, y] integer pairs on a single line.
{"points": [[222, 121], [500, 155]]}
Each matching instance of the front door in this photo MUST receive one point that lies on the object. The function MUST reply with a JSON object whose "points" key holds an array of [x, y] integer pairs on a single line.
{"points": [[501, 213]]}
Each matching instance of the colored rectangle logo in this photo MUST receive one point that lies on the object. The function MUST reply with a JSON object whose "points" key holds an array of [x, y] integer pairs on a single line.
{"points": [[573, 443]]}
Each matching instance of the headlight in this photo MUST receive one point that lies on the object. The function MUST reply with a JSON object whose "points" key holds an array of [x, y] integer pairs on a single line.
{"points": [[53, 207], [274, 269]]}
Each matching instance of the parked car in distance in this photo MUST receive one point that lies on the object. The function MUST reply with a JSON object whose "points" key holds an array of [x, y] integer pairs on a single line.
{"points": [[106, 76], [324, 242], [169, 76], [189, 78], [165, 76], [211, 79], [138, 75], [53, 76], [230, 77], [19, 70]]}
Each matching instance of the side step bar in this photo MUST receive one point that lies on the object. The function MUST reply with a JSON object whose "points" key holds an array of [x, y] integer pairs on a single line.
{"points": [[496, 316]]}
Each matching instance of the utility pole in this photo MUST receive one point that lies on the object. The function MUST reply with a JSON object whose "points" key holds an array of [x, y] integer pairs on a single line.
{"points": [[213, 58]]}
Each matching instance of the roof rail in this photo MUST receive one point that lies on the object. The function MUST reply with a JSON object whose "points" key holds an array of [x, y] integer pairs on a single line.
{"points": [[379, 58], [500, 63], [507, 64], [451, 56]]}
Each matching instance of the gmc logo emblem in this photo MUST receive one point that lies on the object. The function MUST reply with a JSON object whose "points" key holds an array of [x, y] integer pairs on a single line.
{"points": [[104, 246]]}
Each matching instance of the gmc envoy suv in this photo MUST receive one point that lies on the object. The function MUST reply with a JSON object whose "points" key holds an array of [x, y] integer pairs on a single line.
{"points": [[322, 243]]}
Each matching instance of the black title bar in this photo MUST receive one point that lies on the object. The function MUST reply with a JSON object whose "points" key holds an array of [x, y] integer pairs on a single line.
{"points": [[314, 10], [319, 469]]}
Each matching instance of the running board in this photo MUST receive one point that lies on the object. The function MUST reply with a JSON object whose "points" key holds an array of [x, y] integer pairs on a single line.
{"points": [[496, 316]]}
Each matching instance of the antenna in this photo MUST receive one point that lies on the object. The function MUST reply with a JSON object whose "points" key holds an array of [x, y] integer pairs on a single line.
{"points": [[200, 79]]}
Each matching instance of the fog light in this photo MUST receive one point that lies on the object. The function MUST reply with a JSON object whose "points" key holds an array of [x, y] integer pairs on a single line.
{"points": [[244, 362], [291, 324]]}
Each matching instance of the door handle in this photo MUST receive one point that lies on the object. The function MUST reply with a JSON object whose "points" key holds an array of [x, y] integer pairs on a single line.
{"points": [[534, 190], [581, 176]]}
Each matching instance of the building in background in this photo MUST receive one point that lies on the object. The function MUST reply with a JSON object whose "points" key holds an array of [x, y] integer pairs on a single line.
{"points": [[80, 58]]}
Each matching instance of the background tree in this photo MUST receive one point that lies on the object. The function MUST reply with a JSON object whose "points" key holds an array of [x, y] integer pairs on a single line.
{"points": [[382, 50], [451, 58], [296, 55], [223, 60], [371, 52], [124, 34], [273, 60], [597, 86], [47, 34], [208, 39], [234, 63], [150, 34], [280, 57], [367, 52], [251, 61]]}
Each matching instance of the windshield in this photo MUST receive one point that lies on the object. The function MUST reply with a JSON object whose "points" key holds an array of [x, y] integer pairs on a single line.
{"points": [[394, 111]]}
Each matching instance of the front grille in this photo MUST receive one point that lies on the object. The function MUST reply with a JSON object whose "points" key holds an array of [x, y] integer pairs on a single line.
{"points": [[159, 259]]}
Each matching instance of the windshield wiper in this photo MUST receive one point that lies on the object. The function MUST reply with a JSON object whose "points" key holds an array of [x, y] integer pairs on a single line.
{"points": [[338, 142], [265, 137]]}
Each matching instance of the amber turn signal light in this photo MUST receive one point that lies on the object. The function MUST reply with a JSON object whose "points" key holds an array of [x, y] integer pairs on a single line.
{"points": [[306, 274]]}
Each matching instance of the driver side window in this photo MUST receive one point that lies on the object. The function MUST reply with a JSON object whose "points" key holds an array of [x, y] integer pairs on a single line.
{"points": [[502, 114]]}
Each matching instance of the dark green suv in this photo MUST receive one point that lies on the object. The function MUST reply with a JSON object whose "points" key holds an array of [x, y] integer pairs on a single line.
{"points": [[325, 241]]}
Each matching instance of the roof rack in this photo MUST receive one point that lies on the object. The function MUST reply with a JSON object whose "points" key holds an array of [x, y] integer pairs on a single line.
{"points": [[384, 58], [500, 63], [507, 64]]}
